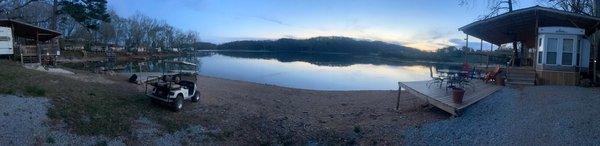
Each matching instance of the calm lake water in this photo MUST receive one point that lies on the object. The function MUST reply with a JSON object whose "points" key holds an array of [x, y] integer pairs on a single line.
{"points": [[301, 74], [305, 75]]}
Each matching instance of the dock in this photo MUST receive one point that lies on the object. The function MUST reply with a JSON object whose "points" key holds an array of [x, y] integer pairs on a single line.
{"points": [[442, 98]]}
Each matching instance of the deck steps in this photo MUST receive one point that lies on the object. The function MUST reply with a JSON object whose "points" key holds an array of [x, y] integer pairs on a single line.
{"points": [[521, 76]]}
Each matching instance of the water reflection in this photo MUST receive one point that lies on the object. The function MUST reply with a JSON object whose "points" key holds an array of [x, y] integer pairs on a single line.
{"points": [[319, 73], [299, 74]]}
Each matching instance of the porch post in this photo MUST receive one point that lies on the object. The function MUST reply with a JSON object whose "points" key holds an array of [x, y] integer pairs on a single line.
{"points": [[37, 45], [537, 41], [480, 51], [466, 47], [487, 63]]}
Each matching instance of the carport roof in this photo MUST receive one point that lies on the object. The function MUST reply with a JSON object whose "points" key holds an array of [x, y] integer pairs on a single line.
{"points": [[26, 30], [521, 25]]}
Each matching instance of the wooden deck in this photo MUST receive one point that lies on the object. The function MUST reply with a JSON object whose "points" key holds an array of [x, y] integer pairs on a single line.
{"points": [[442, 99]]}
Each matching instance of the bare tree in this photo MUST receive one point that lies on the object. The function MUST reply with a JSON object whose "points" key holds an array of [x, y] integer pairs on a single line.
{"points": [[577, 6], [495, 7]]}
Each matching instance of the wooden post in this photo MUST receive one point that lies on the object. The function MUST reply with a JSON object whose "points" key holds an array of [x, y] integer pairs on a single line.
{"points": [[37, 45], [466, 47], [537, 42], [480, 51], [487, 63], [398, 99]]}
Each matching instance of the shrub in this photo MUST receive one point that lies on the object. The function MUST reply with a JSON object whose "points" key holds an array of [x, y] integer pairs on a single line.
{"points": [[35, 90]]}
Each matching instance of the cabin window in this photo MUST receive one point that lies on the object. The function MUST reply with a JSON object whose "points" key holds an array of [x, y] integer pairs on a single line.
{"points": [[567, 52], [539, 58], [551, 50], [4, 38], [540, 54]]}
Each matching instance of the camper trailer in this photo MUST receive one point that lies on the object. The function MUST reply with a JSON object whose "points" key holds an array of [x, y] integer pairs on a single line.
{"points": [[6, 41]]}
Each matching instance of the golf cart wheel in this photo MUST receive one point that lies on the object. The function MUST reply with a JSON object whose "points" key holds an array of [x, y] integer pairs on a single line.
{"points": [[178, 103], [196, 96]]}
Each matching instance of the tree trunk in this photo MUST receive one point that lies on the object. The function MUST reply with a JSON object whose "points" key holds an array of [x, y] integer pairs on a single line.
{"points": [[53, 26], [510, 7]]}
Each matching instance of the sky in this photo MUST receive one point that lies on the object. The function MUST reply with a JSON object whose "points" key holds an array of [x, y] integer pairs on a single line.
{"points": [[421, 24]]}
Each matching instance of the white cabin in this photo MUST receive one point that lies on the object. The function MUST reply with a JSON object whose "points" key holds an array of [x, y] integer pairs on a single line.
{"points": [[560, 48], [6, 41]]}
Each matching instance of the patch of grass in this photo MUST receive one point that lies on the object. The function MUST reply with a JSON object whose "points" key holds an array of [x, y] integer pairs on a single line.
{"points": [[90, 108], [35, 90], [356, 129], [101, 143], [50, 140], [7, 91], [221, 136]]}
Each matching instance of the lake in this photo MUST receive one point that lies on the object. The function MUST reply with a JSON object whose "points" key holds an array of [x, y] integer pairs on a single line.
{"points": [[302, 74]]}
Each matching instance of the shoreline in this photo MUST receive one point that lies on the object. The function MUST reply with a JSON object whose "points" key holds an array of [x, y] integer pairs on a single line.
{"points": [[141, 75], [78, 57]]}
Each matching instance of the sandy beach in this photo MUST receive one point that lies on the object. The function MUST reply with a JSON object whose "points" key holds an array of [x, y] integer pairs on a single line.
{"points": [[266, 112]]}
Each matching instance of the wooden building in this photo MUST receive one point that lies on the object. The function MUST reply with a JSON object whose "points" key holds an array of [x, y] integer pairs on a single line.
{"points": [[31, 43], [556, 47]]}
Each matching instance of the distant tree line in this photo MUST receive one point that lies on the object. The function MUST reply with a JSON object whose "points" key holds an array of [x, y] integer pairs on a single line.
{"points": [[345, 48], [333, 45], [90, 22]]}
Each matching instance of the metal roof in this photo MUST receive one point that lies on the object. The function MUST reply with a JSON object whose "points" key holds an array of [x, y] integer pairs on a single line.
{"points": [[26, 30], [521, 25]]}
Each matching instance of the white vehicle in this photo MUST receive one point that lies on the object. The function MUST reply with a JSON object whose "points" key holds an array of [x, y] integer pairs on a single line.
{"points": [[6, 41], [174, 89]]}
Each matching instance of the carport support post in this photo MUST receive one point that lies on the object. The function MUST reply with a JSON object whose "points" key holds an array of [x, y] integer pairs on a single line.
{"points": [[466, 47], [487, 63], [37, 45]]}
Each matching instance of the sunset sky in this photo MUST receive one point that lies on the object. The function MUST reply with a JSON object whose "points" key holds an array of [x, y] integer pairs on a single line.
{"points": [[422, 24]]}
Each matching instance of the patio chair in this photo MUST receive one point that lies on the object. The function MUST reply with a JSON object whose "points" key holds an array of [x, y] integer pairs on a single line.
{"points": [[436, 80], [491, 76]]}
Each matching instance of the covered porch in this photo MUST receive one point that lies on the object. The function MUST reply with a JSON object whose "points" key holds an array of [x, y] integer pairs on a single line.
{"points": [[32, 43], [524, 30]]}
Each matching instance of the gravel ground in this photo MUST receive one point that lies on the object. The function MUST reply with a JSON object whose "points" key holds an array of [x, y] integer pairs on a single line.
{"points": [[555, 115], [24, 122], [148, 132]]}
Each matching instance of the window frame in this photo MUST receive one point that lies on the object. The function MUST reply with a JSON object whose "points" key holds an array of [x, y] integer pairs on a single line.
{"points": [[563, 52], [547, 51], [559, 49]]}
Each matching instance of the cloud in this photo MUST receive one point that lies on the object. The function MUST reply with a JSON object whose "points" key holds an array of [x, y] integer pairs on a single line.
{"points": [[272, 20]]}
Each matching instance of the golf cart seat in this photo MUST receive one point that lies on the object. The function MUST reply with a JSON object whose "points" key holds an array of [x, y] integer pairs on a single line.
{"points": [[175, 86]]}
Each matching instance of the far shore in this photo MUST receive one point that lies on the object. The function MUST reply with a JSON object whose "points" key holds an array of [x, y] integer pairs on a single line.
{"points": [[76, 57]]}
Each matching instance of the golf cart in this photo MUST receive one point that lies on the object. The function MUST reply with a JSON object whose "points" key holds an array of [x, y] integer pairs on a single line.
{"points": [[174, 87]]}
